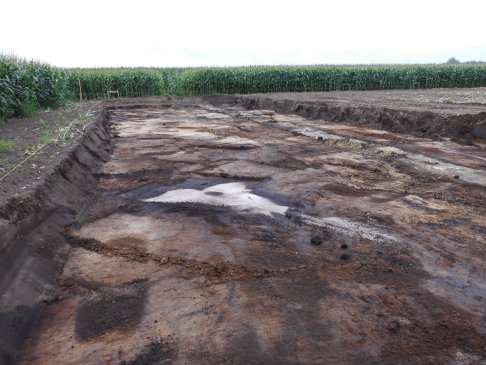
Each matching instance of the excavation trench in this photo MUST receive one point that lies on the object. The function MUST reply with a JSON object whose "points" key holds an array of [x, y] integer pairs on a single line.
{"points": [[197, 233]]}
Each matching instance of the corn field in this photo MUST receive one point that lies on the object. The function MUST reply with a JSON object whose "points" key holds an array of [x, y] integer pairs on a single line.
{"points": [[262, 79], [326, 78], [28, 85], [95, 84]]}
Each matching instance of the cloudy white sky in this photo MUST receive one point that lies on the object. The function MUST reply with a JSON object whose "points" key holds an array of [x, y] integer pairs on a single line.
{"points": [[233, 32]]}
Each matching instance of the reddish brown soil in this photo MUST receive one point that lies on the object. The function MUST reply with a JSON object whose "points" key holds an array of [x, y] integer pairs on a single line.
{"points": [[379, 256]]}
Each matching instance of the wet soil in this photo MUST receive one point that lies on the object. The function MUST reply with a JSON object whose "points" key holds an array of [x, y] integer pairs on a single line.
{"points": [[213, 233]]}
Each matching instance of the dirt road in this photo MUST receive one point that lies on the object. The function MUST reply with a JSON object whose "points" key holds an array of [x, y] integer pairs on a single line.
{"points": [[222, 235]]}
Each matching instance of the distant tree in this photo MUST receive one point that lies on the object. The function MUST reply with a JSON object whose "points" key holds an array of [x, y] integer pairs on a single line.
{"points": [[453, 60], [475, 62]]}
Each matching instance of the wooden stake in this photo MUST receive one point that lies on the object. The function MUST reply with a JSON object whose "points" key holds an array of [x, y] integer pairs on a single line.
{"points": [[80, 91]]}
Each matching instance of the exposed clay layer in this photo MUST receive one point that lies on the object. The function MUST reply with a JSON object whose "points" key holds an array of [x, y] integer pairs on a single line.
{"points": [[419, 113], [223, 235]]}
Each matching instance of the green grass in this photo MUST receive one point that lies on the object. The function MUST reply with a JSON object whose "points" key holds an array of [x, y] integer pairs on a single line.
{"points": [[46, 138], [82, 118], [6, 146], [28, 109]]}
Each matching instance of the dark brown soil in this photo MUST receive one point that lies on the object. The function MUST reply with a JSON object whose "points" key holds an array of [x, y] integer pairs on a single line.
{"points": [[155, 353], [214, 273], [435, 113], [35, 207], [64, 125], [377, 259], [119, 310]]}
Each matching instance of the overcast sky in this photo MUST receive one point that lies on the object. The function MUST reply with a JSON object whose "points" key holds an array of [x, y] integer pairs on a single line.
{"points": [[106, 33]]}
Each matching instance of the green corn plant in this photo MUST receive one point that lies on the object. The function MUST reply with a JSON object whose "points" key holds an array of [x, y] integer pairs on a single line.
{"points": [[26, 86]]}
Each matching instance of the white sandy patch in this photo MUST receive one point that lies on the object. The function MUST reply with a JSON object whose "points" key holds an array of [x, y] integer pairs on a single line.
{"points": [[234, 195], [237, 196], [349, 228], [438, 167], [237, 141], [314, 133]]}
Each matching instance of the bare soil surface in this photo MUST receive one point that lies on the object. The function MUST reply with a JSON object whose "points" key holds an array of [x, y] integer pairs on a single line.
{"points": [[60, 129], [444, 101], [226, 235], [457, 114], [217, 231]]}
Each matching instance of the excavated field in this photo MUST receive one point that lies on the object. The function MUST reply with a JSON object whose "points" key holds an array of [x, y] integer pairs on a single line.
{"points": [[221, 235]]}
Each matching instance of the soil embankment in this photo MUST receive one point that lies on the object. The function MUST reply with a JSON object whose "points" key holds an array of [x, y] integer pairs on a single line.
{"points": [[33, 248], [443, 113]]}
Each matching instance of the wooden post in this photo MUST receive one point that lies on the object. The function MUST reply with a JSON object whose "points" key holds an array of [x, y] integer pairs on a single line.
{"points": [[80, 91]]}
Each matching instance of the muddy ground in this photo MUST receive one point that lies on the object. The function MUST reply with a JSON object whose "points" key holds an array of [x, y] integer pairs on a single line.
{"points": [[213, 233]]}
